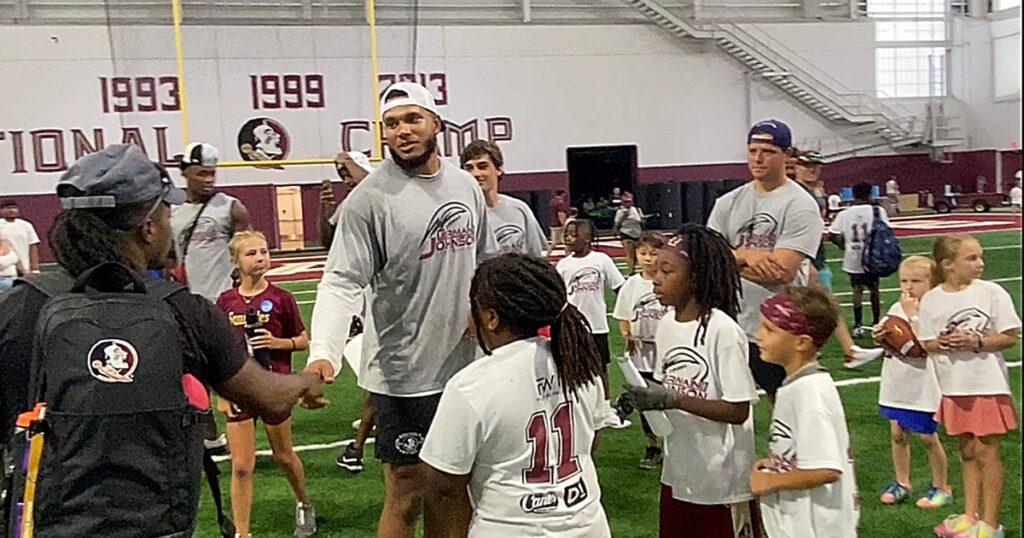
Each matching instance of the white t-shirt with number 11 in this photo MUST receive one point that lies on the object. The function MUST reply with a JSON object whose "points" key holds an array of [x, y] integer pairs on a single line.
{"points": [[505, 420], [854, 224]]}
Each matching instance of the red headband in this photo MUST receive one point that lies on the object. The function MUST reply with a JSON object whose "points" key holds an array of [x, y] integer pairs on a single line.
{"points": [[781, 311], [677, 244]]}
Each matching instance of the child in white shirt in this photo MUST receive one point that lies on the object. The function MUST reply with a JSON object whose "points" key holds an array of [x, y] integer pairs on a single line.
{"points": [[965, 325], [806, 484], [586, 273], [909, 395], [706, 386], [509, 451], [638, 312]]}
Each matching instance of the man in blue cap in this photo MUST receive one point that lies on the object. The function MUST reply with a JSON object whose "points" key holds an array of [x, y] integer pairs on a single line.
{"points": [[774, 227], [116, 208]]}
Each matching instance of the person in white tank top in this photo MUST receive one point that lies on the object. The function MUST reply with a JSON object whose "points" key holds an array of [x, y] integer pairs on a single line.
{"points": [[509, 450], [203, 226]]}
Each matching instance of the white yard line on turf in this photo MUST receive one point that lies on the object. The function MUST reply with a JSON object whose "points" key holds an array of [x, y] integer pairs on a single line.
{"points": [[1001, 247], [338, 444], [301, 448], [840, 294]]}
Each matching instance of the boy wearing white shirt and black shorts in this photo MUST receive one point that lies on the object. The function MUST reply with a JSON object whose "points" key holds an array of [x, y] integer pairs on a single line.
{"points": [[638, 312], [587, 272], [849, 231]]}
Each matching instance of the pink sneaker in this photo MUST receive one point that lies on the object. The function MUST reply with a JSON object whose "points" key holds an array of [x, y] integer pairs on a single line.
{"points": [[956, 526]]}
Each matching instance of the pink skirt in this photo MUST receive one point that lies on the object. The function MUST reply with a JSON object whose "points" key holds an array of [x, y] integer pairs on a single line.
{"points": [[977, 415]]}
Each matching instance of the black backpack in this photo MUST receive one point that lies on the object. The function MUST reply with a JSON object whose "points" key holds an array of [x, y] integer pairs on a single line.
{"points": [[121, 448]]}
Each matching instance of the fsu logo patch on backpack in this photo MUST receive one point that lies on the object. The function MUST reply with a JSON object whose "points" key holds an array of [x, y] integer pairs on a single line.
{"points": [[113, 361]]}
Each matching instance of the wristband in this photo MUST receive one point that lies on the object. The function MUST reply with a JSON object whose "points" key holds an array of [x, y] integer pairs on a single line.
{"points": [[981, 343]]}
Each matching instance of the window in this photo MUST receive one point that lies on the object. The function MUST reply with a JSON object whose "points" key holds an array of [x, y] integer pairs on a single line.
{"points": [[907, 9], [1000, 5], [927, 30], [910, 71]]}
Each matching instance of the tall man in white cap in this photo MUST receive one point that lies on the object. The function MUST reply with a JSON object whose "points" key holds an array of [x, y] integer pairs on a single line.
{"points": [[204, 225], [775, 229], [413, 231]]}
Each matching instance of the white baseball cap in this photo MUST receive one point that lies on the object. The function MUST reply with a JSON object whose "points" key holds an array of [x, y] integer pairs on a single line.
{"points": [[199, 154], [362, 160], [414, 95], [1017, 175]]}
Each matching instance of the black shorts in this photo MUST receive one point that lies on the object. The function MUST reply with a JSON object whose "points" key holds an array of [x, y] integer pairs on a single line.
{"points": [[402, 425], [601, 341], [868, 280], [768, 376]]}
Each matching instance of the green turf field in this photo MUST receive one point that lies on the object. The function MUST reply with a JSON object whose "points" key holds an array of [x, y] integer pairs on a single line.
{"points": [[349, 505]]}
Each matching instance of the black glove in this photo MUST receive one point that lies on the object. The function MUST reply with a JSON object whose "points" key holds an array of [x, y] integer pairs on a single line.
{"points": [[623, 406], [653, 397]]}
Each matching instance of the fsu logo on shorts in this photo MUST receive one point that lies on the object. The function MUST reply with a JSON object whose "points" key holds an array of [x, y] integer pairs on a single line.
{"points": [[409, 443], [113, 361], [263, 139]]}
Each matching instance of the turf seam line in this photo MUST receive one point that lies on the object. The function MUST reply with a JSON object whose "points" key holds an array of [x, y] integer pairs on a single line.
{"points": [[338, 444]]}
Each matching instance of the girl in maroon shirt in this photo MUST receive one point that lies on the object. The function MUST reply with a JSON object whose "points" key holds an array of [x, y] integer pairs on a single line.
{"points": [[280, 332]]}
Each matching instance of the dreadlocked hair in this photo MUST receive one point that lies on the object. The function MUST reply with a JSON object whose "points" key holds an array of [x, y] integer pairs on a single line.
{"points": [[712, 271], [528, 294], [589, 226], [83, 238]]}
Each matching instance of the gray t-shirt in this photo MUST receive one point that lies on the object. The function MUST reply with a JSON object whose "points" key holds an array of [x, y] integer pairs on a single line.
{"points": [[515, 227], [416, 242], [786, 217], [208, 263]]}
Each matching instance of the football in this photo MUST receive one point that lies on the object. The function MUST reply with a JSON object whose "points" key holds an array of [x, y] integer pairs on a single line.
{"points": [[899, 338]]}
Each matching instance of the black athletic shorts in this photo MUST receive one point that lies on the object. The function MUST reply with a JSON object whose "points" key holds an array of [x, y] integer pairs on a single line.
{"points": [[601, 341], [402, 425], [868, 280], [768, 376]]}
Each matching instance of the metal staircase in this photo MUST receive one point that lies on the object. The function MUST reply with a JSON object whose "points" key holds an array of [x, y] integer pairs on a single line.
{"points": [[861, 120]]}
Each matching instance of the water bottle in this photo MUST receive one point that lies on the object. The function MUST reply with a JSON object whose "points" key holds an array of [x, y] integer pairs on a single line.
{"points": [[658, 421], [252, 323]]}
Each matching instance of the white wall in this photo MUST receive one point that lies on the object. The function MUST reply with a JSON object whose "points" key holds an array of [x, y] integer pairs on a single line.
{"points": [[680, 102], [992, 121]]}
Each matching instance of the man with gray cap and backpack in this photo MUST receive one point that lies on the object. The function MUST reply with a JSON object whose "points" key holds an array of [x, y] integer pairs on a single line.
{"points": [[113, 363], [413, 231]]}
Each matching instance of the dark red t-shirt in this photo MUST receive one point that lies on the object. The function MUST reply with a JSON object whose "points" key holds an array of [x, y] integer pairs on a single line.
{"points": [[558, 205], [278, 312]]}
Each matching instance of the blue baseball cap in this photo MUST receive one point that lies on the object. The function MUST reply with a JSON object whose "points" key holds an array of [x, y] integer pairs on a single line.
{"points": [[772, 132]]}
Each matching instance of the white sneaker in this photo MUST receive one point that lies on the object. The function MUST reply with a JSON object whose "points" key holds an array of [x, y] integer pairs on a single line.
{"points": [[305, 520], [617, 423], [858, 332], [356, 423], [863, 356]]}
